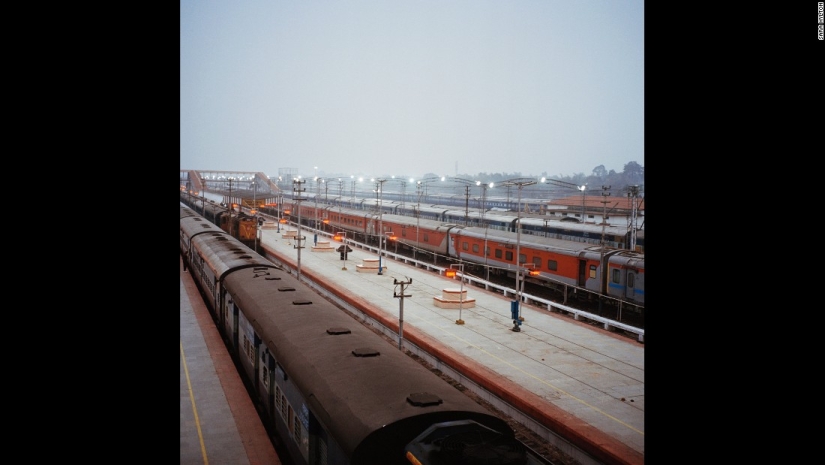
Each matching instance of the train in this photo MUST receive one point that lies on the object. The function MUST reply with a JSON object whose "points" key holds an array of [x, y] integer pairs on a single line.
{"points": [[333, 390], [495, 214], [561, 264], [579, 270], [239, 224]]}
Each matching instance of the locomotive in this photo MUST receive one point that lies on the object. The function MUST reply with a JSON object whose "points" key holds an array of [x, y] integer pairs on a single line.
{"points": [[240, 225], [332, 389]]}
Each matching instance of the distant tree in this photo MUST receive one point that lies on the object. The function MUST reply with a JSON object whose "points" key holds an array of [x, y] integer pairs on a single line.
{"points": [[600, 172], [633, 173]]}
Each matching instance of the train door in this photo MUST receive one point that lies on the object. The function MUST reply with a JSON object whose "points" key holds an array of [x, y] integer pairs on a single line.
{"points": [[582, 273], [630, 281]]}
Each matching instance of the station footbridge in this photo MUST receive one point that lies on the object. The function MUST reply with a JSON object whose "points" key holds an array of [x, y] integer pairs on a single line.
{"points": [[242, 187]]}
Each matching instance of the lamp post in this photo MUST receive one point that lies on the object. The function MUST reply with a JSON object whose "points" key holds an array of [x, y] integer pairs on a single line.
{"points": [[520, 184], [230, 205], [603, 276], [483, 210], [318, 182], [420, 187], [451, 274], [342, 236], [568, 185], [380, 224], [417, 220], [634, 193], [254, 211], [254, 197], [278, 211], [296, 196], [203, 196]]}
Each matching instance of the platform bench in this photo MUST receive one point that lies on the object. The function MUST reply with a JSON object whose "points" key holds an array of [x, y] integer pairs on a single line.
{"points": [[453, 298], [368, 265], [323, 246]]}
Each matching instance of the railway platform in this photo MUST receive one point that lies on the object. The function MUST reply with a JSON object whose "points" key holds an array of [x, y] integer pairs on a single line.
{"points": [[582, 382], [218, 422]]}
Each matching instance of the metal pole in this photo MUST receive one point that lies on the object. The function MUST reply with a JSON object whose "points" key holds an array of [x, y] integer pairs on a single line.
{"points": [[417, 220], [296, 195], [401, 308], [466, 204], [380, 223], [460, 321], [518, 253], [603, 275], [230, 206], [483, 210], [344, 242], [517, 315]]}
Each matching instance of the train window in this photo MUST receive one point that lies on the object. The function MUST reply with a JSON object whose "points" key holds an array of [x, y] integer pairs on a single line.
{"points": [[631, 278], [297, 435], [487, 251], [592, 271], [279, 400], [616, 276], [475, 248], [537, 263], [498, 253], [403, 232], [522, 258], [283, 407], [508, 255], [265, 376], [426, 237], [290, 423], [465, 246], [552, 265]]}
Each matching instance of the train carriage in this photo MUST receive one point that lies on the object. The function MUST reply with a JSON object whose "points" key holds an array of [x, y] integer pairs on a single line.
{"points": [[428, 212], [614, 236], [626, 276], [428, 235], [554, 260], [333, 390]]}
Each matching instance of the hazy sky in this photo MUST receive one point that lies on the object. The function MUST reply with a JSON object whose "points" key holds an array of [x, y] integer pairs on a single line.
{"points": [[408, 87]]}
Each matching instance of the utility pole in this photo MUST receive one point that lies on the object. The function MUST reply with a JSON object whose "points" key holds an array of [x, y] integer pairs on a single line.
{"points": [[230, 206], [296, 196], [380, 223], [517, 305], [203, 196], [634, 193], [401, 306], [603, 276]]}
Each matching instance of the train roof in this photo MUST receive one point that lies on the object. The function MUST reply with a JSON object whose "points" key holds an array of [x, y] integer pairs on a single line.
{"points": [[546, 243], [338, 364], [186, 211], [196, 224], [423, 223], [223, 253], [539, 222]]}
